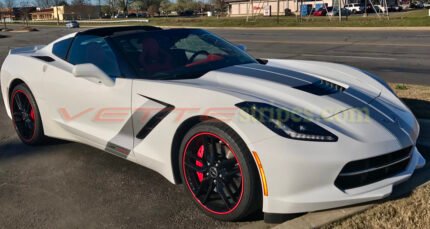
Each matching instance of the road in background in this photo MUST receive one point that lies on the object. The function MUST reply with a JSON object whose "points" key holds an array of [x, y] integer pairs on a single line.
{"points": [[400, 56], [74, 186]]}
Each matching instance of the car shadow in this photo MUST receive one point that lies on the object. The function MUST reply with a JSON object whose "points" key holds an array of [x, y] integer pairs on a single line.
{"points": [[420, 108], [420, 177], [13, 147]]}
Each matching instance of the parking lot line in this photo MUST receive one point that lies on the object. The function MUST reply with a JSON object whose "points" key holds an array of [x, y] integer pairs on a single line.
{"points": [[328, 43], [353, 57]]}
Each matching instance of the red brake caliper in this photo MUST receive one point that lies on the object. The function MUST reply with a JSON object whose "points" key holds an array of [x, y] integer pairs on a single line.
{"points": [[200, 154], [32, 114]]}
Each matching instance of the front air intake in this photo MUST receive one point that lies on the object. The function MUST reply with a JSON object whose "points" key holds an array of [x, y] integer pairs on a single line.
{"points": [[367, 171], [321, 87]]}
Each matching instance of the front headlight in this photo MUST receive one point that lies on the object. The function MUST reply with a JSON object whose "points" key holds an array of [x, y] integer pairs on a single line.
{"points": [[285, 123]]}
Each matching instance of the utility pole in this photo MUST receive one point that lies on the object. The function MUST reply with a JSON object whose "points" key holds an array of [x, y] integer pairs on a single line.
{"points": [[252, 8], [300, 10], [365, 8], [340, 10], [277, 16], [58, 15]]}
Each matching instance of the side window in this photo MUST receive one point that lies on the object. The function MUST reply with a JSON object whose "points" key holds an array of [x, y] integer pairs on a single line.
{"points": [[61, 48], [195, 43], [94, 50]]}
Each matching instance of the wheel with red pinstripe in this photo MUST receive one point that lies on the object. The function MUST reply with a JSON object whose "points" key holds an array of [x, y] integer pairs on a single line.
{"points": [[26, 116], [219, 173]]}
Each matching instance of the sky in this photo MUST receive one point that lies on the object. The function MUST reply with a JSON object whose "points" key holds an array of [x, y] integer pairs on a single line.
{"points": [[94, 2]]}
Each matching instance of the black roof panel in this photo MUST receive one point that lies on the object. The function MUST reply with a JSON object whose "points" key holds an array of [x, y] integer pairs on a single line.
{"points": [[108, 31]]}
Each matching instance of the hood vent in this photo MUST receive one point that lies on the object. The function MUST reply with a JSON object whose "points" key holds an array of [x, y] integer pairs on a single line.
{"points": [[321, 87]]}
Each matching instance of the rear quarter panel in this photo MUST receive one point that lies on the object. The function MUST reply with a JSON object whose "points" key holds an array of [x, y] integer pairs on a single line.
{"points": [[25, 68]]}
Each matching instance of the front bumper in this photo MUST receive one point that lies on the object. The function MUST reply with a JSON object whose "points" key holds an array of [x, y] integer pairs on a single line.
{"points": [[303, 178]]}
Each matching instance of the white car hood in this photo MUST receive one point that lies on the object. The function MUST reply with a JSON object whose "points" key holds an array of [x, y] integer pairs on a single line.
{"points": [[291, 84]]}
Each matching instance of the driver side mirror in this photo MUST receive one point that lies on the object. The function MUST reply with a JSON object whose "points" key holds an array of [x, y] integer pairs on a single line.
{"points": [[92, 73], [241, 47]]}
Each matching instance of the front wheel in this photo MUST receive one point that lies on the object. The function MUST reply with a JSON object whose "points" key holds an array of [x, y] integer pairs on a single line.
{"points": [[219, 172], [25, 116]]}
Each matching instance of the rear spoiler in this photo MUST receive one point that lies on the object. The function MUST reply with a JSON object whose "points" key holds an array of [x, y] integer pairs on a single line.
{"points": [[28, 49]]}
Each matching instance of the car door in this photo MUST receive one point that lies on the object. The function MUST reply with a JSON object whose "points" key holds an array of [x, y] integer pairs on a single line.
{"points": [[87, 111]]}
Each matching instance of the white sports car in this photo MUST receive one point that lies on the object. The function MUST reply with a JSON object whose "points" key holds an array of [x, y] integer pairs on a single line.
{"points": [[242, 134]]}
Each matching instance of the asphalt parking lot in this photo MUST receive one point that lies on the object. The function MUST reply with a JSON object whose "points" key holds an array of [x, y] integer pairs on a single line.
{"points": [[74, 186]]}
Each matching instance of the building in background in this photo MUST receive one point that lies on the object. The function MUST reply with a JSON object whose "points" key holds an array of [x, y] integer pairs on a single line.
{"points": [[7, 14], [270, 7], [16, 13], [81, 12], [42, 14]]}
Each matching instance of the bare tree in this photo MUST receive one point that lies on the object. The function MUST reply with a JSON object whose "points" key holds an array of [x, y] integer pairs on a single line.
{"points": [[79, 3], [2, 14], [25, 10], [9, 4], [115, 6], [57, 3], [43, 3]]}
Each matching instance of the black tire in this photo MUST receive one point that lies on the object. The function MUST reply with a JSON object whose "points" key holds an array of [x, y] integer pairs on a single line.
{"points": [[26, 117], [232, 158]]}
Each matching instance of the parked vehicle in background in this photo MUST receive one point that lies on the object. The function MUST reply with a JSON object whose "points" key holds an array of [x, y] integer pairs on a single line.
{"points": [[320, 12], [142, 15], [132, 15], [354, 8], [72, 24], [380, 8], [335, 12], [329, 11], [119, 16], [426, 5], [394, 8], [416, 5], [373, 9]]}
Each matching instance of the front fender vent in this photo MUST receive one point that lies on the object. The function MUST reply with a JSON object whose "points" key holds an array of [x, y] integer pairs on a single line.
{"points": [[45, 58], [321, 87]]}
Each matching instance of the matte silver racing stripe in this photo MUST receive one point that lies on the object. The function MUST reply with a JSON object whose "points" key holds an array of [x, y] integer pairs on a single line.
{"points": [[143, 120]]}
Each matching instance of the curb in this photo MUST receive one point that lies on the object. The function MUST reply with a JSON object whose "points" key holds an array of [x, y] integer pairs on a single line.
{"points": [[319, 219], [418, 28]]}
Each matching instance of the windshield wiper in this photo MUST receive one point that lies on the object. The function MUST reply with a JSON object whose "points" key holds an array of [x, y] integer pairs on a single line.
{"points": [[178, 76]]}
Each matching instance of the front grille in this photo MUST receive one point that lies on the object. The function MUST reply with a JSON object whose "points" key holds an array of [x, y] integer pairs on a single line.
{"points": [[371, 170]]}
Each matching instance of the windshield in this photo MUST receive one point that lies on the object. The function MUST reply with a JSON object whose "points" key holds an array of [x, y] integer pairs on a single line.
{"points": [[177, 53]]}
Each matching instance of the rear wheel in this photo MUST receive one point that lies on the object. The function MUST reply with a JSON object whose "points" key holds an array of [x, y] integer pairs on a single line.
{"points": [[219, 172], [26, 116]]}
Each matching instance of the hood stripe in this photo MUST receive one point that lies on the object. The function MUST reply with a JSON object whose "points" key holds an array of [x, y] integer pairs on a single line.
{"points": [[271, 71]]}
